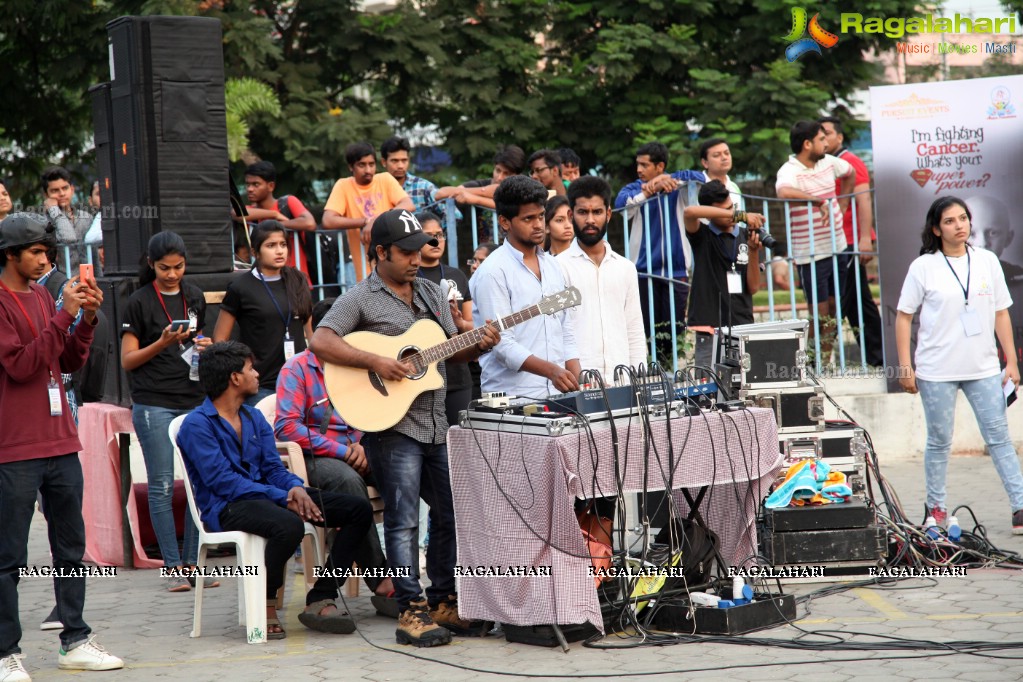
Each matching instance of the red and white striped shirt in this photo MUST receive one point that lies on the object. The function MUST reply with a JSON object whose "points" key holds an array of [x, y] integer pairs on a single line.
{"points": [[818, 181]]}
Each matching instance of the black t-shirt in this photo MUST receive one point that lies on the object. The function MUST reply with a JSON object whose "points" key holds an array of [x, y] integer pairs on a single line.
{"points": [[163, 381], [261, 323], [458, 372], [709, 300]]}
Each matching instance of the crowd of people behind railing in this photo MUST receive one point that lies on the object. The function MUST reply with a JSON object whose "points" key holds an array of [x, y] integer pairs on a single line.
{"points": [[549, 309]]}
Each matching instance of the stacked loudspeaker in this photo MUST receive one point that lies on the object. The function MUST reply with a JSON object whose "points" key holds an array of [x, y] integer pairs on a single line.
{"points": [[161, 141]]}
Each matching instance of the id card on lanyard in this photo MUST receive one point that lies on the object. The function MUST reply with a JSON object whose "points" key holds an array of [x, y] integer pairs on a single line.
{"points": [[53, 389], [289, 343], [969, 317]]}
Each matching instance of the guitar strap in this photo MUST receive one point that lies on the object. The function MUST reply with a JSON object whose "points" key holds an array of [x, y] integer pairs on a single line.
{"points": [[433, 313]]}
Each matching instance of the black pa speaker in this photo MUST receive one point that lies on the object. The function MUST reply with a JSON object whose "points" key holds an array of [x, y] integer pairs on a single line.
{"points": [[161, 137]]}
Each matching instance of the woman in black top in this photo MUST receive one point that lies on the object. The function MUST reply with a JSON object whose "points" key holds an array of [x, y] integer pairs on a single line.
{"points": [[158, 360], [272, 306]]}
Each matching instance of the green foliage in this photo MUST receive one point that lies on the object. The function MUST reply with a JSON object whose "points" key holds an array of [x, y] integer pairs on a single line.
{"points": [[600, 77], [244, 99]]}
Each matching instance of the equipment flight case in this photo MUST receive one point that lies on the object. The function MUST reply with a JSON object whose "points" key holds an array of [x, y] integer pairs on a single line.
{"points": [[797, 410]]}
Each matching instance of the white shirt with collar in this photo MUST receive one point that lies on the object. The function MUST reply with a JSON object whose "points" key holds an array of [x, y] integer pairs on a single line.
{"points": [[609, 322]]}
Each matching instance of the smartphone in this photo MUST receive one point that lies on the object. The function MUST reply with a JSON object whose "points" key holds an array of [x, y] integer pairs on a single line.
{"points": [[86, 274], [179, 326]]}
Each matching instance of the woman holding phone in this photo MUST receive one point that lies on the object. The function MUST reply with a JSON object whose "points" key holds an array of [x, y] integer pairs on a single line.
{"points": [[964, 304], [272, 306], [160, 332]]}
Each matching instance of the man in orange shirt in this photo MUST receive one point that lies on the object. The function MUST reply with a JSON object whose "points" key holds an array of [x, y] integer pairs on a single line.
{"points": [[355, 202]]}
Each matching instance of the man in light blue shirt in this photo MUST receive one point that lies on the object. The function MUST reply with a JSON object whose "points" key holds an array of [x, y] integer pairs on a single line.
{"points": [[538, 357]]}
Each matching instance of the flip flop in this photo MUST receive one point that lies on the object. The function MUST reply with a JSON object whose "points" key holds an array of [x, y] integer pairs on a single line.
{"points": [[339, 623], [386, 606], [275, 635]]}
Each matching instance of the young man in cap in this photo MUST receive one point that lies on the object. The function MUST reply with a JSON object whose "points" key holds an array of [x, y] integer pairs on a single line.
{"points": [[409, 460], [39, 442]]}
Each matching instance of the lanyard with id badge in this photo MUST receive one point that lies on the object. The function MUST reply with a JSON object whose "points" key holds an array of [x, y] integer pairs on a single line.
{"points": [[186, 352], [54, 391], [740, 255], [969, 317], [289, 343]]}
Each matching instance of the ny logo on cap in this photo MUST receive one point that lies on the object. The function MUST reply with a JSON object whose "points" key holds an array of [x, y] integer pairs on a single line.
{"points": [[411, 224]]}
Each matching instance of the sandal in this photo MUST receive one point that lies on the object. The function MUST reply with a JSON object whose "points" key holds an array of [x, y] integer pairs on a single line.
{"points": [[339, 623], [386, 606], [274, 621]]}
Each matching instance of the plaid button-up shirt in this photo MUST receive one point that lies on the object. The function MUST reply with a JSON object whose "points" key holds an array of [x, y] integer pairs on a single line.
{"points": [[420, 190], [299, 388], [372, 306]]}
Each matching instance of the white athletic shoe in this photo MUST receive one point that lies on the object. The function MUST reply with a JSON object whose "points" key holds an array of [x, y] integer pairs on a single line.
{"points": [[88, 656], [11, 669]]}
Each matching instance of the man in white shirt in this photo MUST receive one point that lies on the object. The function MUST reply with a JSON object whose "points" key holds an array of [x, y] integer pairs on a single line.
{"points": [[809, 176], [609, 323]]}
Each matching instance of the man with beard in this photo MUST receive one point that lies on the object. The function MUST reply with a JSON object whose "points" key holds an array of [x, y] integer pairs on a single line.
{"points": [[810, 176], [609, 322], [723, 281]]}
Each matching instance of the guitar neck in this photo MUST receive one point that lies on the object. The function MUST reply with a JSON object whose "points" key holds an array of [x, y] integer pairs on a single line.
{"points": [[443, 351]]}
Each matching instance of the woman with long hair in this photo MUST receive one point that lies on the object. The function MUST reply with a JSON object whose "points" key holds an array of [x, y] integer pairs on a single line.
{"points": [[272, 306], [158, 358], [5, 199], [560, 232], [964, 304]]}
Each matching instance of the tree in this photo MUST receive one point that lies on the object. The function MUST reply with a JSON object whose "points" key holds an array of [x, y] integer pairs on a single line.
{"points": [[245, 98]]}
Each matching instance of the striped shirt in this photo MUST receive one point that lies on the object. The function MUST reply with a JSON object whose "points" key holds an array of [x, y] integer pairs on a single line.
{"points": [[818, 181], [372, 306]]}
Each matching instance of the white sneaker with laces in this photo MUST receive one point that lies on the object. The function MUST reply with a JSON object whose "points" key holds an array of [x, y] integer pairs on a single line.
{"points": [[11, 669], [88, 656]]}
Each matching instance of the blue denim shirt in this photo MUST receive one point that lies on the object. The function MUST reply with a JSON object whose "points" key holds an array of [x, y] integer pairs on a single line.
{"points": [[222, 470]]}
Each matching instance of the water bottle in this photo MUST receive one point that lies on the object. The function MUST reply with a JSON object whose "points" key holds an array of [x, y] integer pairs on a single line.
{"points": [[954, 531], [193, 373]]}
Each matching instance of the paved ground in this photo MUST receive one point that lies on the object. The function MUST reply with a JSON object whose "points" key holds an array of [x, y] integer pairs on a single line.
{"points": [[150, 628]]}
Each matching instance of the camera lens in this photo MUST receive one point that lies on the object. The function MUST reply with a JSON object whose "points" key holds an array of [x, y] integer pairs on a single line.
{"points": [[766, 239]]}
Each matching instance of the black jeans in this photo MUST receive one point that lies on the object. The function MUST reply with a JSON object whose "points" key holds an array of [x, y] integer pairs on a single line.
{"points": [[59, 480], [283, 530], [661, 326], [872, 341]]}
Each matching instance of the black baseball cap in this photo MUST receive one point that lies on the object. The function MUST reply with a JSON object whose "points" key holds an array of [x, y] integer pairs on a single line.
{"points": [[22, 228], [399, 227]]}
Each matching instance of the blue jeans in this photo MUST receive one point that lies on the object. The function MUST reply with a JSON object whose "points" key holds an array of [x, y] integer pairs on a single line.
{"points": [[151, 428], [985, 396], [406, 470], [59, 479]]}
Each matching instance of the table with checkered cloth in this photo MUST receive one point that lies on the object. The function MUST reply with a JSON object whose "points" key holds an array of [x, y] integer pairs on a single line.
{"points": [[514, 494]]}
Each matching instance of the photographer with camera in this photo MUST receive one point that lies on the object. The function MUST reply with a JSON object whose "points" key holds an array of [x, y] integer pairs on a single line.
{"points": [[723, 282], [455, 285]]}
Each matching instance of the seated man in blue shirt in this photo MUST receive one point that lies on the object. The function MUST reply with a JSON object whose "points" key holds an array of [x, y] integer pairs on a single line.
{"points": [[241, 484]]}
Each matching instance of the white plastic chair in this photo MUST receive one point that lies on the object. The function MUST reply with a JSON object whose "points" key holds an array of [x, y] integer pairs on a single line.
{"points": [[251, 552]]}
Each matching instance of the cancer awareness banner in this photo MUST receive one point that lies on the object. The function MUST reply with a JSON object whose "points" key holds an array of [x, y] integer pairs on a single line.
{"points": [[959, 138]]}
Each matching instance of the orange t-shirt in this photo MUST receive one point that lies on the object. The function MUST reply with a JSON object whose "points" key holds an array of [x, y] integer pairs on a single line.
{"points": [[351, 200]]}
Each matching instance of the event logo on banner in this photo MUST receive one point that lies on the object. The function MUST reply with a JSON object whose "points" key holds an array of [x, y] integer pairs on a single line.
{"points": [[949, 138]]}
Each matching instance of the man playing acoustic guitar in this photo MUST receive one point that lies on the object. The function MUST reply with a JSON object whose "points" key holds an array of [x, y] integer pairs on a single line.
{"points": [[409, 459]]}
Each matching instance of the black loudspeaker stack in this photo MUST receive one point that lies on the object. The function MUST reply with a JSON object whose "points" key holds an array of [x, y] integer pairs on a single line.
{"points": [[161, 141]]}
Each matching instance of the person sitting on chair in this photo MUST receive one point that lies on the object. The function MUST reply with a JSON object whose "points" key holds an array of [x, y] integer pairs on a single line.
{"points": [[241, 484]]}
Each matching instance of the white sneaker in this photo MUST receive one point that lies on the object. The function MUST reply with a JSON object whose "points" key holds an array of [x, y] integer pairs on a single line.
{"points": [[11, 669], [88, 656]]}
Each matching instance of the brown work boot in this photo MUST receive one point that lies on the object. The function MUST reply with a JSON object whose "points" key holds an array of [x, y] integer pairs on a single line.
{"points": [[446, 613], [415, 627]]}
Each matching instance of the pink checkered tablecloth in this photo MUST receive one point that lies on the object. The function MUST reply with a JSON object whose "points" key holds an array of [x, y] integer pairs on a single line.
{"points": [[514, 494]]}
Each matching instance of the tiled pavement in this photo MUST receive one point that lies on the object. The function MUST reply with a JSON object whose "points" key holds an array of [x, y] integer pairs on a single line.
{"points": [[149, 628]]}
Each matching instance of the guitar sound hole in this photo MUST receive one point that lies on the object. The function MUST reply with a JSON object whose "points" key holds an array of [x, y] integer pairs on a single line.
{"points": [[406, 353]]}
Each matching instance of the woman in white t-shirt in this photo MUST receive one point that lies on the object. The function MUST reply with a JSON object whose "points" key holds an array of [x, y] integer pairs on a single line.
{"points": [[963, 302]]}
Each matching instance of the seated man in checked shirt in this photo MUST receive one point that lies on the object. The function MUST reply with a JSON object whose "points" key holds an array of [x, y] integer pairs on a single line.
{"points": [[335, 461]]}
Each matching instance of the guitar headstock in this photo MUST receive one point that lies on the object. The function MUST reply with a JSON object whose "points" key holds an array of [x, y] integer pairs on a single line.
{"points": [[568, 298]]}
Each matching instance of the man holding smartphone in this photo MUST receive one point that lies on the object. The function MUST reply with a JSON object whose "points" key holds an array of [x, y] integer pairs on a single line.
{"points": [[39, 442]]}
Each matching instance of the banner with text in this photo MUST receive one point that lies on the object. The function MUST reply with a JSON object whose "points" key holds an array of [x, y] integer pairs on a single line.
{"points": [[949, 138]]}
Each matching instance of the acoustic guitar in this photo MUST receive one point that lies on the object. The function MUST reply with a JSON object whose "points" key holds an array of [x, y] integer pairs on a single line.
{"points": [[369, 403]]}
